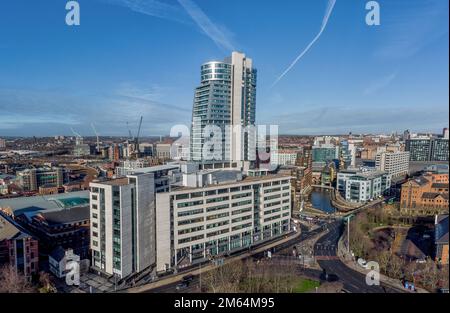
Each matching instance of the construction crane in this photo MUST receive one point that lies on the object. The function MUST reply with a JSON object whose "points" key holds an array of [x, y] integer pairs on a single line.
{"points": [[129, 133], [137, 137], [96, 134], [79, 138]]}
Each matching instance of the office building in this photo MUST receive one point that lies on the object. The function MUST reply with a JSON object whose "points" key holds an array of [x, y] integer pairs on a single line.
{"points": [[32, 179], [122, 225], [225, 98], [445, 133], [68, 228], [163, 151], [2, 144], [164, 175], [347, 154], [428, 149], [226, 213], [395, 164], [439, 150], [325, 153], [361, 185]]}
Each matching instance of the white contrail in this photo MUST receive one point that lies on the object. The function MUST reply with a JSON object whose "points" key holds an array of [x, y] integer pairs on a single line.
{"points": [[204, 22], [153, 8], [188, 10], [328, 12]]}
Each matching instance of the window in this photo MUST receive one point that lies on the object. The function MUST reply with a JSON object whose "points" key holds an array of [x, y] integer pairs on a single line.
{"points": [[217, 199], [183, 196], [191, 221], [191, 212], [191, 203], [196, 194]]}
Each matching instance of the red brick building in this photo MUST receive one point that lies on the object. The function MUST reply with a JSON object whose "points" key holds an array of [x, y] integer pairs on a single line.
{"points": [[18, 248]]}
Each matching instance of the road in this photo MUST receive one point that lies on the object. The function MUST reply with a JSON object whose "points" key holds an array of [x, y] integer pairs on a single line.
{"points": [[325, 251], [282, 249]]}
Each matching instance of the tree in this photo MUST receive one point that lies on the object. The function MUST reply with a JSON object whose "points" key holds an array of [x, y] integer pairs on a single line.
{"points": [[330, 287], [396, 266], [431, 274], [13, 282], [45, 283]]}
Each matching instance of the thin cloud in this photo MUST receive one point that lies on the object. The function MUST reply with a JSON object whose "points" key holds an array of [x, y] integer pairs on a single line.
{"points": [[153, 8], [185, 13], [325, 19], [205, 23], [380, 84], [419, 25], [55, 112]]}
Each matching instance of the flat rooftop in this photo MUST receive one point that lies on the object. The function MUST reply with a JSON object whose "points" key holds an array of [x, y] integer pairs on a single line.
{"points": [[245, 180], [46, 202], [155, 168], [113, 182]]}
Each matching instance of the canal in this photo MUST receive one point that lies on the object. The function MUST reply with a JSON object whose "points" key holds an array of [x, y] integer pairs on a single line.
{"points": [[321, 199]]}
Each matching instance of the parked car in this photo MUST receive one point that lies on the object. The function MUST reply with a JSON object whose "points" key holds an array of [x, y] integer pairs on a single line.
{"points": [[188, 278], [362, 263], [182, 285]]}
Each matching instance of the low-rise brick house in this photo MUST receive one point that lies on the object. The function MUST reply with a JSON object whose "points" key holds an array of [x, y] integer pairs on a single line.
{"points": [[426, 194], [18, 248]]}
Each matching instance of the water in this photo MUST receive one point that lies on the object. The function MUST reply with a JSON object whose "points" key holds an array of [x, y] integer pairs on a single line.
{"points": [[320, 199]]}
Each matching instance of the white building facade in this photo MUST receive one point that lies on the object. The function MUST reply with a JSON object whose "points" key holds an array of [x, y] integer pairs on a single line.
{"points": [[122, 224], [194, 224], [362, 186], [395, 164]]}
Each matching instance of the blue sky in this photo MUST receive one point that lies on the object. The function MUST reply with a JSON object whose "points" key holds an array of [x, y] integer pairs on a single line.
{"points": [[142, 57]]}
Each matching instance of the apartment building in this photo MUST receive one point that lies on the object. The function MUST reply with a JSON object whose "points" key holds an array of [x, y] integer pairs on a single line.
{"points": [[357, 185], [300, 182], [122, 224], [284, 157], [395, 164], [196, 224]]}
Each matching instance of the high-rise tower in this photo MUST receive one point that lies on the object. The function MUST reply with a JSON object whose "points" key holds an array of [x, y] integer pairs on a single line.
{"points": [[225, 98]]}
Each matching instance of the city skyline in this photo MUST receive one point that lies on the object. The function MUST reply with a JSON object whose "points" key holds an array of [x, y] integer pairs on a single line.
{"points": [[84, 74]]}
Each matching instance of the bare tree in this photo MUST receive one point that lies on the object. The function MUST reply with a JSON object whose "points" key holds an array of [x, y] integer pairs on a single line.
{"points": [[13, 282], [431, 274], [45, 283], [331, 287]]}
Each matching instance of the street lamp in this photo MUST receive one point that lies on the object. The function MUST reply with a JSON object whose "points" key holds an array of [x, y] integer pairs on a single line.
{"points": [[348, 232]]}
